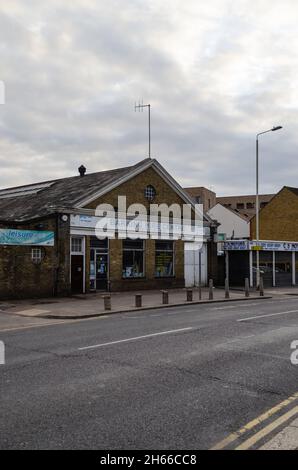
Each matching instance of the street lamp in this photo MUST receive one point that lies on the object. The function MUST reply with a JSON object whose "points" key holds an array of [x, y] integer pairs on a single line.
{"points": [[276, 128]]}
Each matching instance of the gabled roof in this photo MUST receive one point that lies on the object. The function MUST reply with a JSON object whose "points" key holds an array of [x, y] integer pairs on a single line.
{"points": [[34, 201], [289, 188], [234, 211], [293, 190]]}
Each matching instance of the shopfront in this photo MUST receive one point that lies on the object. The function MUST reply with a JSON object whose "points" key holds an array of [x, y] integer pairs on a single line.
{"points": [[278, 262], [111, 264]]}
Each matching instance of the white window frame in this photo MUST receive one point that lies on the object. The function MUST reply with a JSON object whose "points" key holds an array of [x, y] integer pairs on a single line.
{"points": [[83, 253], [37, 259]]}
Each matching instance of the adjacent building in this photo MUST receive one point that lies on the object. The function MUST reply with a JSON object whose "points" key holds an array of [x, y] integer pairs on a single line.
{"points": [[203, 196], [48, 244], [278, 245], [232, 224], [245, 205]]}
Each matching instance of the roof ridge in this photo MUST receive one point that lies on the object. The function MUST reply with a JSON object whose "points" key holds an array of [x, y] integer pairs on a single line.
{"points": [[70, 177]]}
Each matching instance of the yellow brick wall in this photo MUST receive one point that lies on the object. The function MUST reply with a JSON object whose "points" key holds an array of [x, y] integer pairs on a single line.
{"points": [[279, 219], [134, 192]]}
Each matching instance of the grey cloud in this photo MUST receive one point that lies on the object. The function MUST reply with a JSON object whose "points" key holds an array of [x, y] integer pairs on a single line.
{"points": [[74, 70]]}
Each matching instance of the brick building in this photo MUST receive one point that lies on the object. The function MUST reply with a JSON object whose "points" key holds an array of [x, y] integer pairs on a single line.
{"points": [[278, 245], [68, 257], [203, 196], [245, 205]]}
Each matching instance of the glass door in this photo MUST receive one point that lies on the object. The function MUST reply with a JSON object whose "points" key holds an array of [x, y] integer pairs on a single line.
{"points": [[101, 267]]}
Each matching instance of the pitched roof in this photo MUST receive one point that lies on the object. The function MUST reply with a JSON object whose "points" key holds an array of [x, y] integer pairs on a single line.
{"points": [[289, 188], [236, 212], [293, 190], [38, 200]]}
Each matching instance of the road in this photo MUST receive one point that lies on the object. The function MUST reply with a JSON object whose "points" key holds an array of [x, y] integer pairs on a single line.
{"points": [[179, 378]]}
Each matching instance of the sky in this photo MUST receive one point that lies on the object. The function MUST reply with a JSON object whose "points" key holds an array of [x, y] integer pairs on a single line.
{"points": [[215, 72]]}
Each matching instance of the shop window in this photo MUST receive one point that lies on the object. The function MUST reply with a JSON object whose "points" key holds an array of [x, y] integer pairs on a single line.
{"points": [[164, 258], [76, 245], [36, 255], [133, 259]]}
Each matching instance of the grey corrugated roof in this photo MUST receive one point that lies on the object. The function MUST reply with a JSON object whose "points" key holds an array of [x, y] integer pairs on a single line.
{"points": [[65, 192]]}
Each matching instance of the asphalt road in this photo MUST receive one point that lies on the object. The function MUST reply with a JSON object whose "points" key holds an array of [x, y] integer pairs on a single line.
{"points": [[177, 378]]}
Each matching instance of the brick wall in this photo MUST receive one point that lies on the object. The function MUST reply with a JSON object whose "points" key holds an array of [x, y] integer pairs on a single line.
{"points": [[279, 219], [20, 277], [117, 283], [134, 192]]}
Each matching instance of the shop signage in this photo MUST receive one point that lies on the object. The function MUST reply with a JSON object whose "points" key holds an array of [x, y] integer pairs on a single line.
{"points": [[143, 227], [26, 237], [234, 245]]}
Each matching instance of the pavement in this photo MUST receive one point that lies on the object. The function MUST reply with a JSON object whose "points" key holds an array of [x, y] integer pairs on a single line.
{"points": [[90, 305], [209, 376]]}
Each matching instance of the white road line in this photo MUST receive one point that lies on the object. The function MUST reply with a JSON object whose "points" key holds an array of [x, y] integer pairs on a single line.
{"points": [[268, 315], [237, 306], [236, 340], [135, 338]]}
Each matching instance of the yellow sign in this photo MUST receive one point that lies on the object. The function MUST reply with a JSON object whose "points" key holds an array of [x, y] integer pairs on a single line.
{"points": [[256, 248]]}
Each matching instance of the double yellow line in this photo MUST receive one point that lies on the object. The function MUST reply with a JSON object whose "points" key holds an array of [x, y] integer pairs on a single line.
{"points": [[255, 422]]}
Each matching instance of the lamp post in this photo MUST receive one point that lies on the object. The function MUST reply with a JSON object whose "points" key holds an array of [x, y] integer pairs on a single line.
{"points": [[276, 128]]}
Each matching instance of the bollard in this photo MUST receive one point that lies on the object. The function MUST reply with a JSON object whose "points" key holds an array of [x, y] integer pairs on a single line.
{"points": [[227, 289], [210, 289], [246, 287], [188, 295], [107, 302], [165, 297], [261, 286], [138, 300]]}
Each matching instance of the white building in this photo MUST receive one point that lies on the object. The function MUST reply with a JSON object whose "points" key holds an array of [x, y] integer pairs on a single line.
{"points": [[233, 225]]}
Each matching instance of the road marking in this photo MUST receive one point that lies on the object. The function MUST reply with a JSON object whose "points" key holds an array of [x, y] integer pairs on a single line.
{"points": [[267, 315], [235, 340], [285, 440], [237, 306], [135, 338], [263, 417], [267, 430]]}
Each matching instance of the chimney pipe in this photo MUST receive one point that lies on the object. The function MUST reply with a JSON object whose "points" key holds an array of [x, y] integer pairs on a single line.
{"points": [[82, 170]]}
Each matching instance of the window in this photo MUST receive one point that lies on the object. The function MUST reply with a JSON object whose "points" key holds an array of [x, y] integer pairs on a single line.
{"points": [[150, 193], [36, 255], [263, 204], [240, 205], [250, 205], [164, 258], [133, 259], [76, 245]]}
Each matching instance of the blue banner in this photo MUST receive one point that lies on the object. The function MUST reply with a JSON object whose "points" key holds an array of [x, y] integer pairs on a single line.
{"points": [[26, 237]]}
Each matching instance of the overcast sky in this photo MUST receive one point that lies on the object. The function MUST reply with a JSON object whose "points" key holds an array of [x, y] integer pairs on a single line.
{"points": [[215, 73]]}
